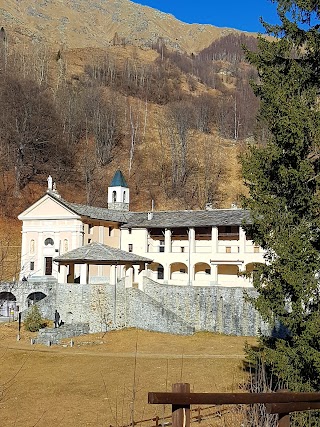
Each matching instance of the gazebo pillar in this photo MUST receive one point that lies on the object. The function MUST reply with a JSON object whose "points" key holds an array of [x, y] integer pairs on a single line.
{"points": [[115, 273], [84, 270], [70, 277], [62, 273]]}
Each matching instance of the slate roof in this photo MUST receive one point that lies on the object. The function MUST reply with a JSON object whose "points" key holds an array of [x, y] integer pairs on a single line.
{"points": [[118, 180], [162, 219], [96, 212], [97, 252], [172, 219]]}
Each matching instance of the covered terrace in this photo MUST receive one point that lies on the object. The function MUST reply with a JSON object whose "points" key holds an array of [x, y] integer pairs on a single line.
{"points": [[97, 260]]}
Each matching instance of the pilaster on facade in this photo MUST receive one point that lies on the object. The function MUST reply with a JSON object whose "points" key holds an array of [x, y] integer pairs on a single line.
{"points": [[167, 241], [101, 234], [166, 272], [191, 274], [74, 240], [192, 239], [242, 240], [40, 260], [214, 240], [57, 242], [214, 273], [24, 250], [146, 241]]}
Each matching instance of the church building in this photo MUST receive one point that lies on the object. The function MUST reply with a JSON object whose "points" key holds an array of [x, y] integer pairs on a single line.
{"points": [[75, 243]]}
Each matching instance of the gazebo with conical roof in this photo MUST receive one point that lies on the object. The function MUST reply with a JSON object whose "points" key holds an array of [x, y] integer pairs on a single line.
{"points": [[95, 254]]}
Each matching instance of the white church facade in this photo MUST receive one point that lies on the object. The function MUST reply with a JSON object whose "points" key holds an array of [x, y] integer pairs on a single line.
{"points": [[75, 243]]}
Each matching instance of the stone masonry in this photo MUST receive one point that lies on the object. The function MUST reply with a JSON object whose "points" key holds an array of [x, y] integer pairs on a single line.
{"points": [[163, 308]]}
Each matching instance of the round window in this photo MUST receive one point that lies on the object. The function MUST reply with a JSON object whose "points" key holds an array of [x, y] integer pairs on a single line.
{"points": [[49, 241]]}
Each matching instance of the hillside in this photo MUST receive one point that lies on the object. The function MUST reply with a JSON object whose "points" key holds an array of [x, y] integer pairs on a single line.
{"points": [[78, 102], [81, 23]]}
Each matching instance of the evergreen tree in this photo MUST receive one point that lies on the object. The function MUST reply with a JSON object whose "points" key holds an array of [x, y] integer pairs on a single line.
{"points": [[282, 176], [33, 321]]}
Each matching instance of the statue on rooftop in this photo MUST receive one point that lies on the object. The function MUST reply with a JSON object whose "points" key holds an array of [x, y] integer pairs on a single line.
{"points": [[49, 179]]}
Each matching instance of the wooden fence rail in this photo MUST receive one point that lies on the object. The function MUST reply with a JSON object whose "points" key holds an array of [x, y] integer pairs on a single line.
{"points": [[282, 402], [201, 414]]}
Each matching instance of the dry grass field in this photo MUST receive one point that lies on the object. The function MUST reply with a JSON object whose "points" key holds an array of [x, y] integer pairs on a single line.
{"points": [[104, 380]]}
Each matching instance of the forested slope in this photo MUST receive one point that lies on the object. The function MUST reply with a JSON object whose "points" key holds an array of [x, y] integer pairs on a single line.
{"points": [[173, 122]]}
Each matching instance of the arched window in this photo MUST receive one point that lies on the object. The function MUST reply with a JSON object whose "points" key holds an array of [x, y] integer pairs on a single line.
{"points": [[32, 247], [124, 197], [114, 196], [49, 241]]}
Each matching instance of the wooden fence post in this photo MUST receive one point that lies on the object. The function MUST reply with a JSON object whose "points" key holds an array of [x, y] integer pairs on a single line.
{"points": [[284, 419], [181, 413]]}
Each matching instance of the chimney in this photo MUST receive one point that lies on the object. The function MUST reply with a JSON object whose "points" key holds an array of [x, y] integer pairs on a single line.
{"points": [[150, 216]]}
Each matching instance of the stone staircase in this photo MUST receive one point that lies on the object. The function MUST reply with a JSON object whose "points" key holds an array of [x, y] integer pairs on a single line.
{"points": [[50, 336], [144, 312]]}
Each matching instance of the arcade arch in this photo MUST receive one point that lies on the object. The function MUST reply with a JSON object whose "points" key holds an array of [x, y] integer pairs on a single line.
{"points": [[228, 274], [178, 271], [156, 271], [7, 303], [35, 297], [202, 271]]}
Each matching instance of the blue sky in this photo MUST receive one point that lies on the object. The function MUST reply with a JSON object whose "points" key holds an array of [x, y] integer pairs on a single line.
{"points": [[240, 14]]}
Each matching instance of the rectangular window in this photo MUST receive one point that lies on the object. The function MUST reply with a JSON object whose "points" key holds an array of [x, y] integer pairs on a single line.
{"points": [[90, 229], [228, 249], [161, 247], [160, 273], [110, 231], [130, 230], [31, 265], [130, 247], [89, 241], [182, 248], [256, 249]]}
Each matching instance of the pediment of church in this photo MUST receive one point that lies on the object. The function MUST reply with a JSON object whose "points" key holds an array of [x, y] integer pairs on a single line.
{"points": [[47, 208]]}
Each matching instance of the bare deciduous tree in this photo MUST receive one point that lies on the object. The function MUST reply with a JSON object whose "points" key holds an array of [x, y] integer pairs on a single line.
{"points": [[30, 129], [180, 122]]}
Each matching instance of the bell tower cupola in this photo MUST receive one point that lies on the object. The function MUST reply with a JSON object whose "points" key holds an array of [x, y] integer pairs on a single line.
{"points": [[118, 193]]}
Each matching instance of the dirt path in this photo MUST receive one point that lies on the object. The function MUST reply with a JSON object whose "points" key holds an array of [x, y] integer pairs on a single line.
{"points": [[138, 355]]}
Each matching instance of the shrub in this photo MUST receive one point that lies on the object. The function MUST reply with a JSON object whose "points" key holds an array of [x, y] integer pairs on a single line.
{"points": [[33, 321]]}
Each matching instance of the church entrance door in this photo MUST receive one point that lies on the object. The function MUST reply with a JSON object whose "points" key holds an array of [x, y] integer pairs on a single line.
{"points": [[48, 266]]}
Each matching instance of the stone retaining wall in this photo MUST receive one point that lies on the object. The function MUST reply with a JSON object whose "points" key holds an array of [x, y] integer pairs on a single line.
{"points": [[162, 308], [145, 312], [54, 335], [215, 308]]}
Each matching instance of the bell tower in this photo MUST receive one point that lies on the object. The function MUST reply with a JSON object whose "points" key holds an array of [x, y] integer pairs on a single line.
{"points": [[118, 193]]}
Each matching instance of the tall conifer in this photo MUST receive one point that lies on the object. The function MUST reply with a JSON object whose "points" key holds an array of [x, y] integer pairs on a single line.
{"points": [[283, 178]]}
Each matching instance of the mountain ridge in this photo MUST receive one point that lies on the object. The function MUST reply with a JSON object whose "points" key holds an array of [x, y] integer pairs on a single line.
{"points": [[102, 23]]}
